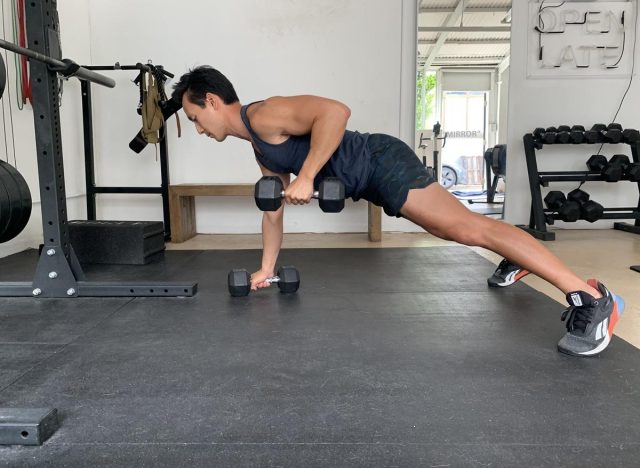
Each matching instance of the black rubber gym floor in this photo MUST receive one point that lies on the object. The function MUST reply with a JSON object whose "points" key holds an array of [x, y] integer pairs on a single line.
{"points": [[384, 357]]}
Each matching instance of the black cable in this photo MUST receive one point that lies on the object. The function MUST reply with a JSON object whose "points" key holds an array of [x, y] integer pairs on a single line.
{"points": [[633, 60], [13, 138], [633, 66], [541, 24]]}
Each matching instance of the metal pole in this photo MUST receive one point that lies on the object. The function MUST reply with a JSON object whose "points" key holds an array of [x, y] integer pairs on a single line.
{"points": [[82, 73]]}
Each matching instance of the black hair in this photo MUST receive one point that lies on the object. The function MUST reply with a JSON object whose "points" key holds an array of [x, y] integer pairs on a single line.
{"points": [[200, 81]]}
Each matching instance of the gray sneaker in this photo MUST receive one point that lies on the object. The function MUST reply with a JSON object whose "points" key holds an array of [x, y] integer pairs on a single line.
{"points": [[590, 321]]}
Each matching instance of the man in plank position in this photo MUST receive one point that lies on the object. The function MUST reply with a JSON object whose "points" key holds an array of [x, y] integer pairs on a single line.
{"points": [[307, 136]]}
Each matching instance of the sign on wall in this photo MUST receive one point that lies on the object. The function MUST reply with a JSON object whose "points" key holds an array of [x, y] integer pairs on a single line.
{"points": [[587, 39]]}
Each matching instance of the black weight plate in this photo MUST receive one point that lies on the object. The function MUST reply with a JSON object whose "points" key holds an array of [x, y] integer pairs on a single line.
{"points": [[25, 195], [14, 203], [3, 76], [20, 201], [5, 205]]}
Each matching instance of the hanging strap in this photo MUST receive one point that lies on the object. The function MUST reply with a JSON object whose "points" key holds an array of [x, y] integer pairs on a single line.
{"points": [[152, 119]]}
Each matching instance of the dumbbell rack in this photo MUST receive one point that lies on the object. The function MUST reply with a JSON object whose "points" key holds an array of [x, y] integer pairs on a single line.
{"points": [[540, 215]]}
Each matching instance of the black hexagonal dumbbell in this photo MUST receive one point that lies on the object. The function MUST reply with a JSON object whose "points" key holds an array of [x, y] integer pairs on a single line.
{"points": [[550, 135], [611, 133], [537, 137], [589, 210], [287, 278], [620, 162], [568, 211], [577, 134], [594, 135], [633, 172], [269, 192], [564, 134], [610, 172], [614, 133], [630, 135]]}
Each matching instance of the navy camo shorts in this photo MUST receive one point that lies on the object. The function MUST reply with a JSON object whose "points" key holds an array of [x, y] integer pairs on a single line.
{"points": [[394, 170]]}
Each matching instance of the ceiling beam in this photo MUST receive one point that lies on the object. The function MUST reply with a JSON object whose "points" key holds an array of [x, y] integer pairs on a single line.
{"points": [[454, 62], [504, 64], [463, 29], [467, 10], [467, 41], [496, 58], [442, 37]]}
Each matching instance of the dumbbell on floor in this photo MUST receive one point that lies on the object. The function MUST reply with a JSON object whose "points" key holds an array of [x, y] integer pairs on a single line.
{"points": [[269, 192], [287, 278]]}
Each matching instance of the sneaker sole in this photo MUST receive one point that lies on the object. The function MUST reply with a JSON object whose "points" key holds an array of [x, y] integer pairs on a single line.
{"points": [[618, 310]]}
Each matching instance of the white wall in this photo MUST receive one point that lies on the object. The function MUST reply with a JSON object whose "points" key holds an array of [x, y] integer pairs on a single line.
{"points": [[74, 25], [545, 102], [349, 50], [359, 51], [503, 106]]}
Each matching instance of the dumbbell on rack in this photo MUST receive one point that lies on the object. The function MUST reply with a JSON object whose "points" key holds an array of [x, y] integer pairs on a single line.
{"points": [[599, 133], [548, 135], [563, 134], [630, 170], [287, 278], [630, 135], [610, 171], [576, 205], [568, 211], [269, 192], [611, 133], [576, 134], [589, 210]]}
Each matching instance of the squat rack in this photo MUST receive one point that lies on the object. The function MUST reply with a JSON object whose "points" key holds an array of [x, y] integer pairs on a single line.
{"points": [[58, 273]]}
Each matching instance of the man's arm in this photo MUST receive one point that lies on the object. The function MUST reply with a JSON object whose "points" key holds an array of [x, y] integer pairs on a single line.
{"points": [[272, 227], [326, 121]]}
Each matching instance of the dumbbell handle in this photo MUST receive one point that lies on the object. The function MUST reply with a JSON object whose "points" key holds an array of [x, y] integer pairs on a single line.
{"points": [[273, 279], [316, 194]]}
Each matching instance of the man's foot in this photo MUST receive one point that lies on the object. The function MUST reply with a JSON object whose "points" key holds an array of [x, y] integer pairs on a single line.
{"points": [[506, 274], [590, 321]]}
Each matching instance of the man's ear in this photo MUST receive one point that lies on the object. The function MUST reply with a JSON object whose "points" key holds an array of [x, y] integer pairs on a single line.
{"points": [[213, 100]]}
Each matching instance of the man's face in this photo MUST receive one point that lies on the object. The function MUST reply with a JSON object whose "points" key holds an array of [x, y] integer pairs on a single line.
{"points": [[207, 119]]}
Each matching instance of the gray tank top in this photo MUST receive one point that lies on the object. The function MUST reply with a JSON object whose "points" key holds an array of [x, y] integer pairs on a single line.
{"points": [[350, 161]]}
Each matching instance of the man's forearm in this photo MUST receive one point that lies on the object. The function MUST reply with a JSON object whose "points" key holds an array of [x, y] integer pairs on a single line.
{"points": [[271, 239]]}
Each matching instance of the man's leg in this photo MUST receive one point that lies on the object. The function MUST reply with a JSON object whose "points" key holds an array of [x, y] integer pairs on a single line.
{"points": [[593, 311], [440, 213]]}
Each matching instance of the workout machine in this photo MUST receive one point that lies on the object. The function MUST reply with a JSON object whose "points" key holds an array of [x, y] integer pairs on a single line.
{"points": [[58, 273], [435, 138]]}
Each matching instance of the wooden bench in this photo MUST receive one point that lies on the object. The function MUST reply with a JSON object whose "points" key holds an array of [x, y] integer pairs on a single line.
{"points": [[182, 208]]}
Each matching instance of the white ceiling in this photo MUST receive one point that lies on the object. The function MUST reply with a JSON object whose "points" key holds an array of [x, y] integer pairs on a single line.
{"points": [[487, 44]]}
